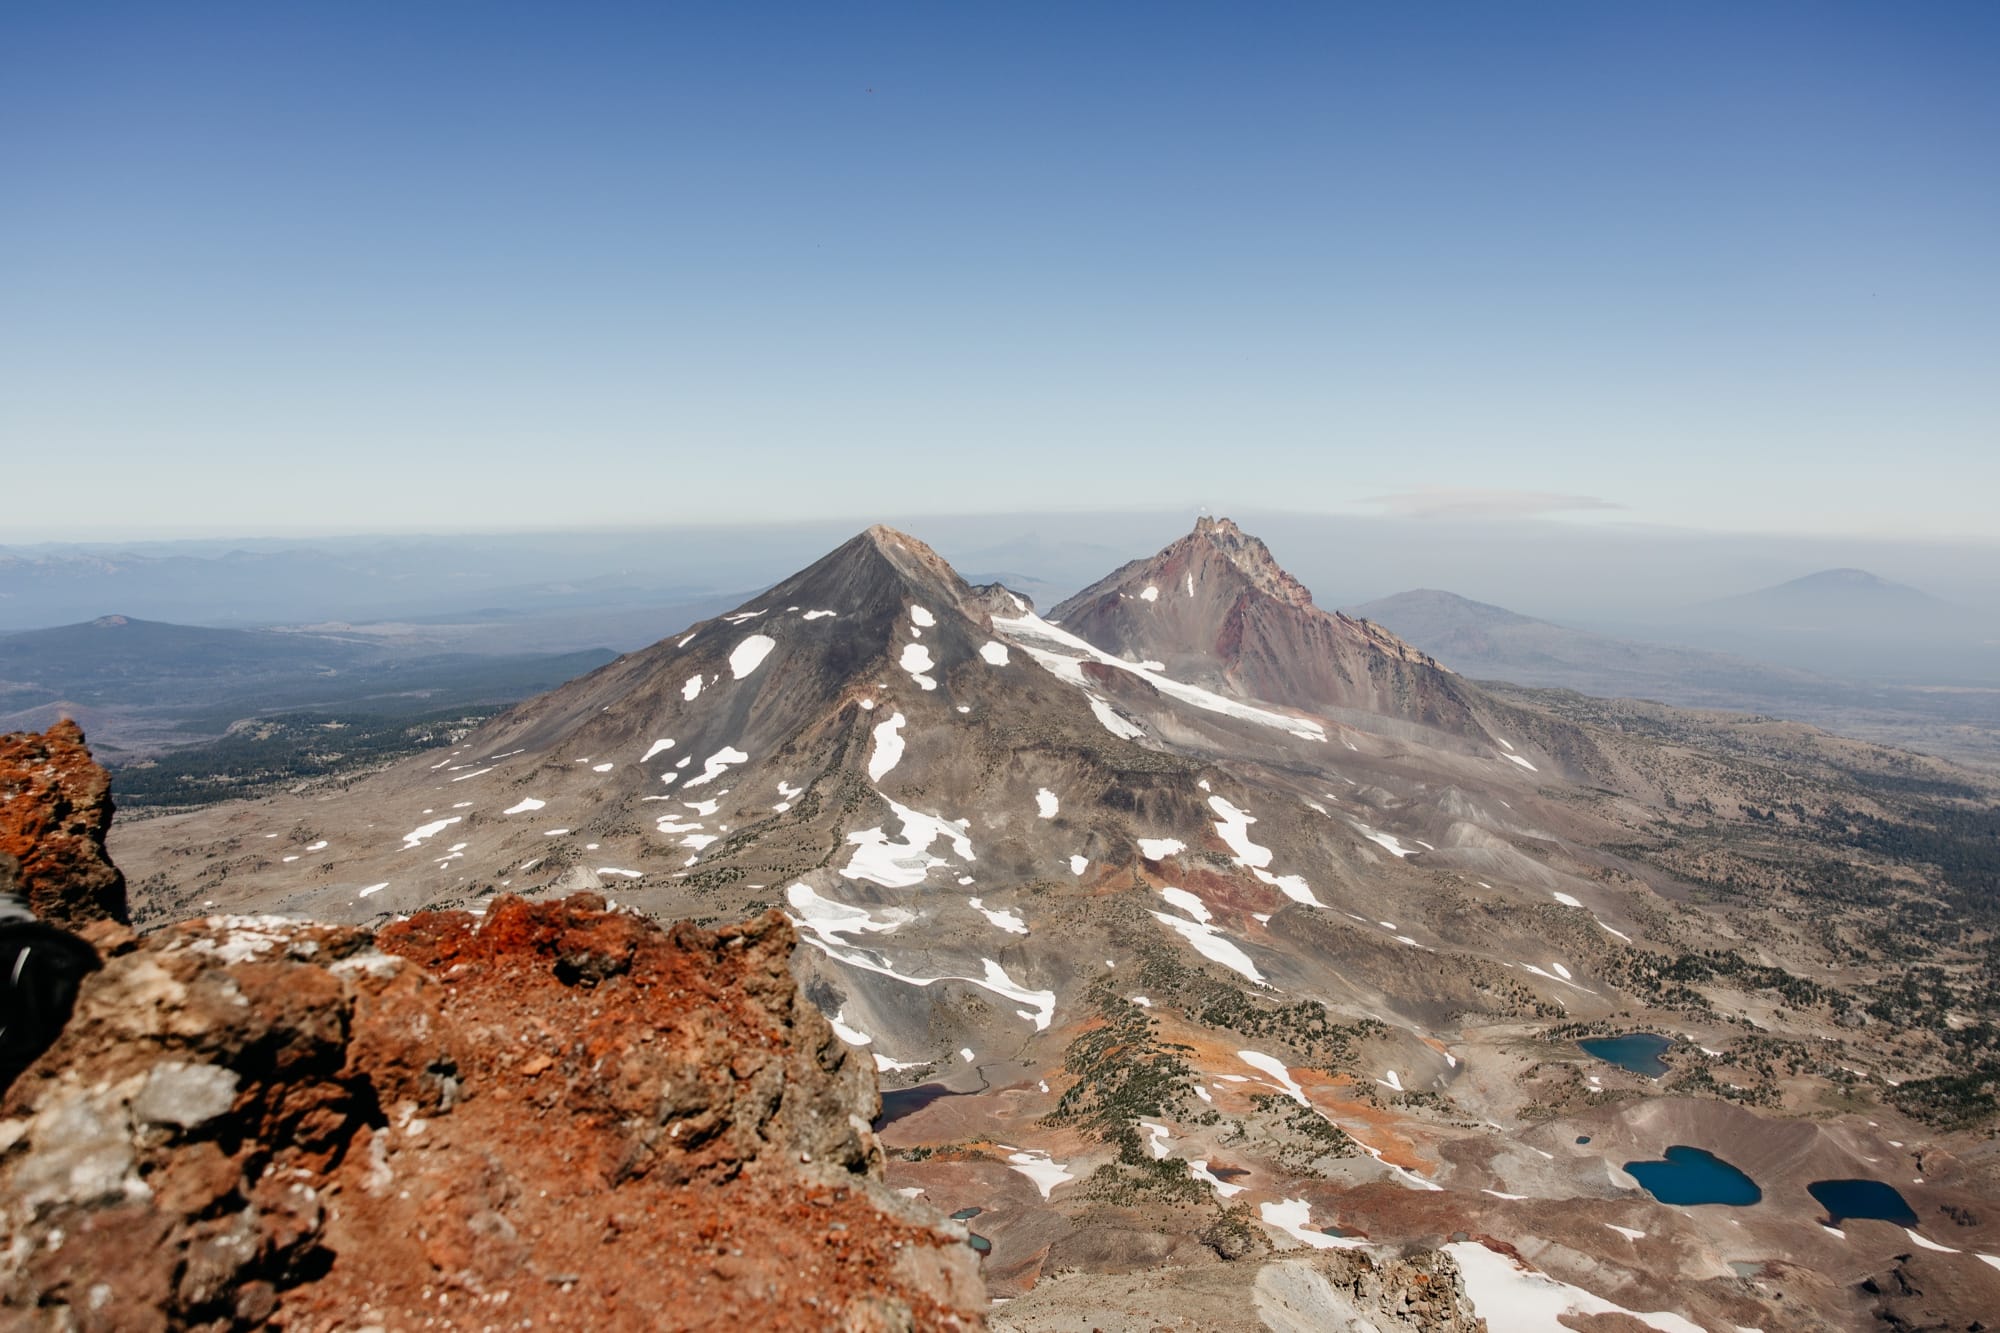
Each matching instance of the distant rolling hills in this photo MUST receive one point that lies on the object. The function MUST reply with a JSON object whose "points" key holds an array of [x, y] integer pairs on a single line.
{"points": [[144, 686], [1492, 643], [1488, 641]]}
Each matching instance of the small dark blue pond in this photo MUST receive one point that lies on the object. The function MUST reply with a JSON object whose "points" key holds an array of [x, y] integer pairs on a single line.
{"points": [[1636, 1051], [1691, 1175], [1843, 1199]]}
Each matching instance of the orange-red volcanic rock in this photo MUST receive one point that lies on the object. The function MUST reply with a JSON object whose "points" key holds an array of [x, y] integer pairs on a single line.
{"points": [[558, 1116], [55, 804]]}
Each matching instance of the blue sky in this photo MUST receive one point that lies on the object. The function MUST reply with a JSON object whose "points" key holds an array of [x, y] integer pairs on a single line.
{"points": [[376, 266]]}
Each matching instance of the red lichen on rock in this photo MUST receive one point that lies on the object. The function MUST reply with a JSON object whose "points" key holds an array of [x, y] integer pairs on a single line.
{"points": [[556, 1114], [55, 805]]}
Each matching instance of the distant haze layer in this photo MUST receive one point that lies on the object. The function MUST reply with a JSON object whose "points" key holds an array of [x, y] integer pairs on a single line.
{"points": [[1611, 577]]}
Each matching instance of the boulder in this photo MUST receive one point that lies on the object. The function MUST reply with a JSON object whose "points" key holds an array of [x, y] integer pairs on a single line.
{"points": [[55, 806]]}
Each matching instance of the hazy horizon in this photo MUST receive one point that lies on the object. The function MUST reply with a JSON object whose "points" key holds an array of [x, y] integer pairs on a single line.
{"points": [[1548, 569]]}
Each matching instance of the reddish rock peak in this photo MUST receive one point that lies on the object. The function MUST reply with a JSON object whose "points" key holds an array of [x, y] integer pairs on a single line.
{"points": [[1217, 609], [1249, 557], [912, 556], [55, 805]]}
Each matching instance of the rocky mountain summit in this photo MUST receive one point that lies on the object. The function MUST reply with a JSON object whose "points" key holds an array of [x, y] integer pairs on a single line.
{"points": [[1216, 608]]}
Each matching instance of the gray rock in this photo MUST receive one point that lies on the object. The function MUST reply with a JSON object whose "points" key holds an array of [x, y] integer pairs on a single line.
{"points": [[80, 1153], [187, 1095]]}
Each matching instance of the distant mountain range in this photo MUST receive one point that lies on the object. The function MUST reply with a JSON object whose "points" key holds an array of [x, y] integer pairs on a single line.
{"points": [[411, 578], [149, 685], [1492, 643], [1846, 623], [1832, 600]]}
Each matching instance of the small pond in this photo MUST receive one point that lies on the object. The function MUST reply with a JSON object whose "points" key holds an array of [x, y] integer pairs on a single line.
{"points": [[1636, 1051], [1844, 1199], [979, 1243], [1691, 1175]]}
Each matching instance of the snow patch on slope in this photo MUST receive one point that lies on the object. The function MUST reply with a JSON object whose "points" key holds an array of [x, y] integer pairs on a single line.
{"points": [[416, 836], [916, 660], [748, 655], [1007, 921], [716, 764], [888, 747], [1211, 944], [1515, 1299], [1115, 722], [1062, 654], [904, 864]]}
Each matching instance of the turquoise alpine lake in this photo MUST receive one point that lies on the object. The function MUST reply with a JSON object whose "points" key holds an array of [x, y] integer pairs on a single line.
{"points": [[1636, 1051], [1693, 1175]]}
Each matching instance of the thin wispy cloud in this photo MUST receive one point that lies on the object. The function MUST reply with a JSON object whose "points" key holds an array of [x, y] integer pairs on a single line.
{"points": [[1473, 503]]}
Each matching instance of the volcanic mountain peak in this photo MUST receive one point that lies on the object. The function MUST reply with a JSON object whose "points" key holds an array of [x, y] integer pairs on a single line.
{"points": [[1208, 571], [1215, 607], [905, 551], [878, 570], [1247, 554]]}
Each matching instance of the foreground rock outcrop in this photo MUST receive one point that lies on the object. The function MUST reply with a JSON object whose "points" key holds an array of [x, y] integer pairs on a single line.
{"points": [[554, 1116], [1358, 1290], [55, 807]]}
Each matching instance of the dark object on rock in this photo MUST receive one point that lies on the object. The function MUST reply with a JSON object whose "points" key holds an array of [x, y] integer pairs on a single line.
{"points": [[40, 970], [55, 805]]}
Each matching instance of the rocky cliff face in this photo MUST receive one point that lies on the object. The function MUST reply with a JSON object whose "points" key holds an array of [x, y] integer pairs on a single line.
{"points": [[551, 1116], [55, 805]]}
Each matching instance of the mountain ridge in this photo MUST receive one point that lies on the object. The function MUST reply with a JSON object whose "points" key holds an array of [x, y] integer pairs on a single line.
{"points": [[1172, 940], [1215, 605]]}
